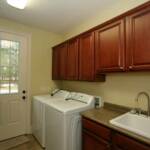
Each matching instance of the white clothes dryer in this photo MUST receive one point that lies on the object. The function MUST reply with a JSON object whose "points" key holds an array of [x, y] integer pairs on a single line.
{"points": [[38, 113]]}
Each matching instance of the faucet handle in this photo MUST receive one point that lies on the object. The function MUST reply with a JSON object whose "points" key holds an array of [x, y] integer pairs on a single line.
{"points": [[139, 111], [133, 111], [136, 111]]}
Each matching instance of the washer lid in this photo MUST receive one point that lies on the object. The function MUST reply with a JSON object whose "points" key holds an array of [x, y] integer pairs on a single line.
{"points": [[67, 106], [71, 106]]}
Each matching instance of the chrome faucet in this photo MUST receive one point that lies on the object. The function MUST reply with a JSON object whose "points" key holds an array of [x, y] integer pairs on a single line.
{"points": [[148, 100]]}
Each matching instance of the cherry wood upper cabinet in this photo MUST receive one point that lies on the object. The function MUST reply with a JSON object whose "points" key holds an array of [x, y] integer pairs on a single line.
{"points": [[138, 40], [55, 64], [86, 57], [63, 61], [59, 62], [72, 59], [110, 47], [120, 44]]}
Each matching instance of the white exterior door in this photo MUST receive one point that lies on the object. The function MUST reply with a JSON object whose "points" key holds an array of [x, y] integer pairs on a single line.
{"points": [[13, 85]]}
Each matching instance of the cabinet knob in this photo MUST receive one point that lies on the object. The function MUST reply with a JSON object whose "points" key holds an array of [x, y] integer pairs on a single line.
{"points": [[23, 97], [121, 67], [130, 67]]}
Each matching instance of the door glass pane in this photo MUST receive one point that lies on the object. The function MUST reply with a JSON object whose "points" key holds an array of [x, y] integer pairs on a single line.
{"points": [[5, 44], [5, 57], [14, 87], [4, 87], [13, 73], [9, 64], [5, 73], [13, 57]]}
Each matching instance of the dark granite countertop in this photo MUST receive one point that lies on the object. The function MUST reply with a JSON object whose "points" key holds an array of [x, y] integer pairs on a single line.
{"points": [[104, 114]]}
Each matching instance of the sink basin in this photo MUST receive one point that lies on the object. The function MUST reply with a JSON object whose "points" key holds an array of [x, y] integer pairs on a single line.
{"points": [[138, 124]]}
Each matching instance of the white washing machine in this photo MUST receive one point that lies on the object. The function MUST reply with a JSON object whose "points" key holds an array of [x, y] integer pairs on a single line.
{"points": [[38, 113], [63, 122]]}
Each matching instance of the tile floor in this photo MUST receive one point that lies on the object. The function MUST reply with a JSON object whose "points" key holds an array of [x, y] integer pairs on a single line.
{"points": [[31, 145]]}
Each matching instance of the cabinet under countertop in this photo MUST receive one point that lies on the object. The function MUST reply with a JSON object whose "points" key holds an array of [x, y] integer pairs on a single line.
{"points": [[103, 115]]}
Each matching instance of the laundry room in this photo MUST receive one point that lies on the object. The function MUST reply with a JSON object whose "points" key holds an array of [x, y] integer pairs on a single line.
{"points": [[74, 75]]}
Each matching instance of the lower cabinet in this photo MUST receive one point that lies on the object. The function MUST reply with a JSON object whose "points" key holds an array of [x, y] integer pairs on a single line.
{"points": [[121, 142], [98, 137], [95, 137], [92, 142]]}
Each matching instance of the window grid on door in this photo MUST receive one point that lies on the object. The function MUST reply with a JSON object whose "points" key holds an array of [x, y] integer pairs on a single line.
{"points": [[9, 64]]}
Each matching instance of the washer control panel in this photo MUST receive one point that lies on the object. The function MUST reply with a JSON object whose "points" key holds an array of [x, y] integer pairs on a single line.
{"points": [[85, 98]]}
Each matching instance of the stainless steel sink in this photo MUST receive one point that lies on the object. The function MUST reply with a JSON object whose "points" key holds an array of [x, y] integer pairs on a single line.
{"points": [[139, 124]]}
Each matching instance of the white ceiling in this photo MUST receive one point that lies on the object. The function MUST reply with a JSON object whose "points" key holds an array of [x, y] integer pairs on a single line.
{"points": [[54, 15]]}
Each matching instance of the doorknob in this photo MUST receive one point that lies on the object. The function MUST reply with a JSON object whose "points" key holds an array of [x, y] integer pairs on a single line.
{"points": [[23, 91]]}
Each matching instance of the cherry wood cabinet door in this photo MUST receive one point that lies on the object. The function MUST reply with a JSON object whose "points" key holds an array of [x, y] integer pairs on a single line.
{"points": [[55, 64], [97, 129], [63, 61], [72, 59], [138, 40], [90, 142], [117, 148], [110, 47], [59, 62], [122, 142], [86, 57]]}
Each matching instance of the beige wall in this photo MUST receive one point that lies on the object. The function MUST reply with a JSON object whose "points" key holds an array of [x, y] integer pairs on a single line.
{"points": [[41, 43], [119, 88]]}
